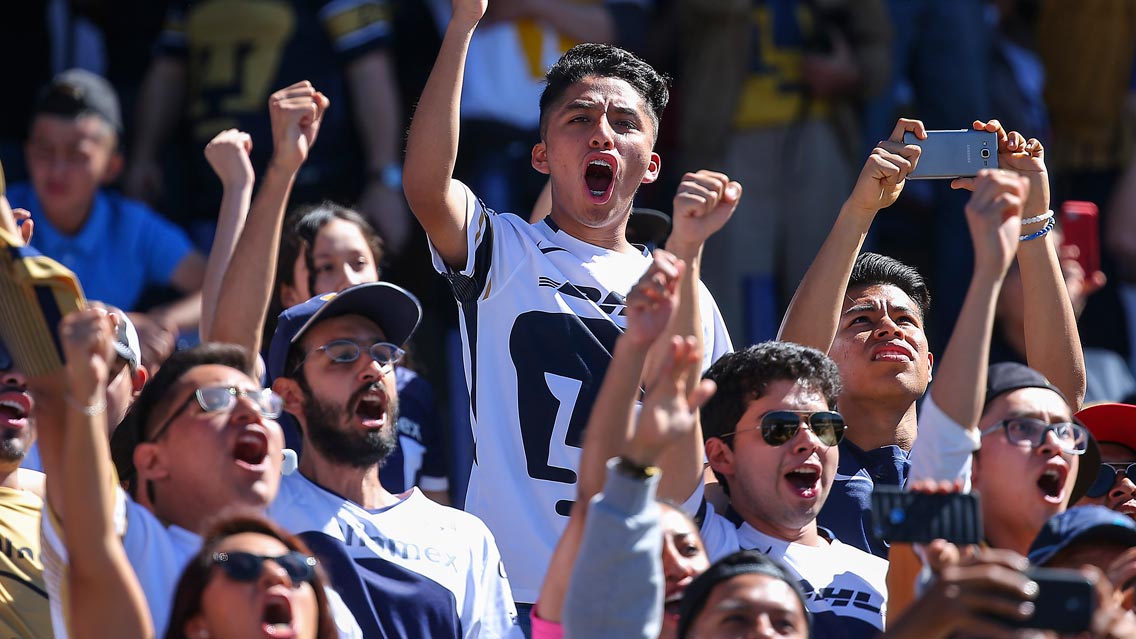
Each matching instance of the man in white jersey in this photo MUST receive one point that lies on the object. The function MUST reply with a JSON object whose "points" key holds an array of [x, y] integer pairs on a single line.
{"points": [[771, 438], [541, 305], [332, 359]]}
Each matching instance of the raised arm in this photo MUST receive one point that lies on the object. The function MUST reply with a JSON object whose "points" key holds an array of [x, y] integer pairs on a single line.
{"points": [[1053, 343], [228, 154], [703, 204], [432, 146], [814, 312], [160, 103], [650, 305], [246, 288], [106, 598], [994, 217]]}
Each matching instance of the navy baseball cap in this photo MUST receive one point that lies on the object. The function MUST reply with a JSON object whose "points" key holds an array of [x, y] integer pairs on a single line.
{"points": [[1081, 524], [393, 308]]}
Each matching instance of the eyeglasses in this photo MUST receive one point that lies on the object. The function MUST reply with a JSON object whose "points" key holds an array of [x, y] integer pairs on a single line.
{"points": [[223, 398], [345, 351], [247, 567], [1106, 477], [780, 426], [1073, 438]]}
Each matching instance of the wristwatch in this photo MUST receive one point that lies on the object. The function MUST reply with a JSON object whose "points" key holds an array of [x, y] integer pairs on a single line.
{"points": [[632, 470]]}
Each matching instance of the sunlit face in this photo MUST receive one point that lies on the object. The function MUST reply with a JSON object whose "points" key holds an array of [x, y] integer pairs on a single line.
{"points": [[1023, 484], [597, 149], [17, 423], [341, 258], [780, 487], [270, 606], [751, 605], [880, 347], [1121, 497], [209, 461], [350, 410], [684, 558], [68, 161]]}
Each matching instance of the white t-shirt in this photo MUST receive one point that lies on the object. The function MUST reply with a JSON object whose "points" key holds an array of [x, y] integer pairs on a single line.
{"points": [[158, 554], [845, 588], [539, 314], [451, 547]]}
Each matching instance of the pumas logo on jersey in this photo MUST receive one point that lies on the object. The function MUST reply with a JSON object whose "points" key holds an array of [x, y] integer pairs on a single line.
{"points": [[614, 304]]}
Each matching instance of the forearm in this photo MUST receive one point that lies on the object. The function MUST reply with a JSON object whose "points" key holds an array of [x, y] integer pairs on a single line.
{"points": [[609, 424], [814, 313], [432, 146], [184, 313], [246, 287], [159, 106], [1053, 343], [235, 202], [378, 115], [586, 23], [961, 377]]}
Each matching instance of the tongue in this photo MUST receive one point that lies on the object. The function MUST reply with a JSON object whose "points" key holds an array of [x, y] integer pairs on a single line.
{"points": [[597, 178], [369, 411], [7, 413], [801, 480], [249, 452]]}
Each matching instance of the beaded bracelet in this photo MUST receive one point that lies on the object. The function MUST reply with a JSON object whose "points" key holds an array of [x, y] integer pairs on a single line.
{"points": [[1038, 218], [1033, 236], [90, 411]]}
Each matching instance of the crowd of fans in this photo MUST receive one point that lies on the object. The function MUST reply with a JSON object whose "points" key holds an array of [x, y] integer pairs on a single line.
{"points": [[689, 348]]}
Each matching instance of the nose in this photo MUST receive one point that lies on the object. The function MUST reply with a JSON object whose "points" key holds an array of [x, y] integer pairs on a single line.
{"points": [[372, 371], [1122, 490], [273, 574], [675, 568], [763, 628], [1050, 446], [602, 135], [14, 378], [888, 326], [245, 411], [806, 439]]}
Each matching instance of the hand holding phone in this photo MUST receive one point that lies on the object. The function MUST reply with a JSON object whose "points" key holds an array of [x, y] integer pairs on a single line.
{"points": [[947, 155], [917, 517]]}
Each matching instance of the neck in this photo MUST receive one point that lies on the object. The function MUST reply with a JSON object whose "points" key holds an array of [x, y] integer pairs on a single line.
{"points": [[69, 222], [806, 534], [1008, 533], [10, 478], [873, 423], [358, 485], [611, 236]]}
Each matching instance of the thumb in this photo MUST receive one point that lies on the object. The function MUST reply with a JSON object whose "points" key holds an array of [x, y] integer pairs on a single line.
{"points": [[701, 394], [733, 192]]}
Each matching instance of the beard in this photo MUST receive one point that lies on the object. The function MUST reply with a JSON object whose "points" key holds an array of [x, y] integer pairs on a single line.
{"points": [[13, 446], [331, 433]]}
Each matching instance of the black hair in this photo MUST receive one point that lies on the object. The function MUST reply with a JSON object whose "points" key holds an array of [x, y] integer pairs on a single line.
{"points": [[743, 562], [873, 269], [605, 61], [744, 376]]}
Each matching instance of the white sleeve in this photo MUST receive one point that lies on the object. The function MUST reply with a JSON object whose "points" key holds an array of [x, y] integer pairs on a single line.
{"points": [[715, 338], [943, 448], [344, 621]]}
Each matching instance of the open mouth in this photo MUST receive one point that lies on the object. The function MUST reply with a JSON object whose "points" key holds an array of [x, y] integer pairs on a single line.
{"points": [[892, 353], [251, 448], [804, 480], [371, 409], [14, 409], [599, 178], [276, 620], [1052, 481]]}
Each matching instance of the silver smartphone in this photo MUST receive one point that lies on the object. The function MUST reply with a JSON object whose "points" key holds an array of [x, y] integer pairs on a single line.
{"points": [[951, 154]]}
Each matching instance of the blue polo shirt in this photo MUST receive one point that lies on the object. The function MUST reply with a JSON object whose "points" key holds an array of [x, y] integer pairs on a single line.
{"points": [[848, 510], [123, 248]]}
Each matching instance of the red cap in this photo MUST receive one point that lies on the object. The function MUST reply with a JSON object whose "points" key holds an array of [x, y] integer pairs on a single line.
{"points": [[1114, 423]]}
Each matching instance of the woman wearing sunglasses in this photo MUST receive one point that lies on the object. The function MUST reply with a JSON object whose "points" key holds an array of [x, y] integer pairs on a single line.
{"points": [[1114, 426], [251, 579]]}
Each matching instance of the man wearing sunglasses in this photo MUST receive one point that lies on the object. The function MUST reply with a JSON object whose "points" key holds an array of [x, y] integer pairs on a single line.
{"points": [[772, 440], [333, 361], [1114, 427]]}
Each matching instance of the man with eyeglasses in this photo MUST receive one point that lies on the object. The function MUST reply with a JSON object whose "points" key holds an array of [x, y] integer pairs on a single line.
{"points": [[333, 361], [1114, 427], [771, 438]]}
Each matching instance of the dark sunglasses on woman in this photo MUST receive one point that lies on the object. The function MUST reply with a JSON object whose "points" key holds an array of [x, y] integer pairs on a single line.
{"points": [[246, 567]]}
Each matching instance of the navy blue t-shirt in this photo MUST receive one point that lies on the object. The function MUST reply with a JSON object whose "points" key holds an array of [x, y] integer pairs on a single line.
{"points": [[848, 510]]}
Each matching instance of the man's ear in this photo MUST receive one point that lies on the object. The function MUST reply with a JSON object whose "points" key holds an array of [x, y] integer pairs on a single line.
{"points": [[289, 390], [930, 366], [540, 158], [114, 168], [653, 168], [149, 462], [138, 379], [720, 456]]}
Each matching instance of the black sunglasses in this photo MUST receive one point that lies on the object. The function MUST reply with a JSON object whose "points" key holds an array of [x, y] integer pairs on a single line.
{"points": [[1107, 476], [780, 426], [246, 567]]}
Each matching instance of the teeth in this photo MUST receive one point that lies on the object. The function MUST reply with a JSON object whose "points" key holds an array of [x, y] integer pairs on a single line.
{"points": [[1052, 474], [249, 438], [604, 163], [16, 406]]}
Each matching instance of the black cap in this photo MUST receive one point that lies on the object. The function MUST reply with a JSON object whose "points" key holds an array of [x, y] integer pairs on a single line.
{"points": [[742, 562], [1003, 377], [77, 92]]}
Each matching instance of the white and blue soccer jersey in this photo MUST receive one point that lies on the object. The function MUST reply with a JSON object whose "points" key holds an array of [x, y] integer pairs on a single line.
{"points": [[443, 544], [845, 588], [539, 314]]}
